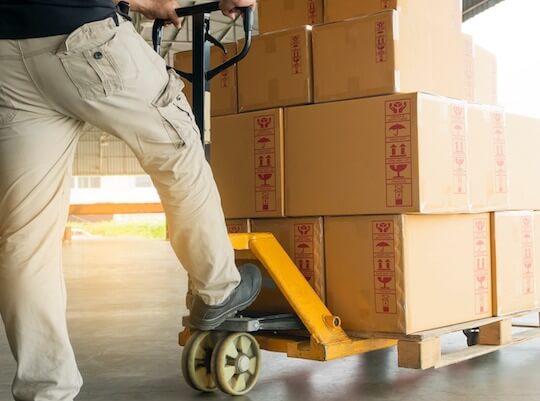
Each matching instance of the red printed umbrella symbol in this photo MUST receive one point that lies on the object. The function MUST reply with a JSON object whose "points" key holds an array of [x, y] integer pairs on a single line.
{"points": [[382, 245], [398, 168], [264, 140], [396, 128], [303, 247], [480, 245], [265, 178]]}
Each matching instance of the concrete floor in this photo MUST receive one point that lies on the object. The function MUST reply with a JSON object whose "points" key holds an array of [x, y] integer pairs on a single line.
{"points": [[126, 302]]}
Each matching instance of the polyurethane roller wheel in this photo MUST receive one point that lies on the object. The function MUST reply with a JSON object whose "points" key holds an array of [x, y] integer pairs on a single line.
{"points": [[196, 361], [236, 363]]}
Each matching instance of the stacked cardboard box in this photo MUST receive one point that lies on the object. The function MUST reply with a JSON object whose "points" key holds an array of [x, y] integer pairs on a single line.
{"points": [[224, 87], [516, 282], [383, 119], [276, 15], [397, 273], [277, 71]]}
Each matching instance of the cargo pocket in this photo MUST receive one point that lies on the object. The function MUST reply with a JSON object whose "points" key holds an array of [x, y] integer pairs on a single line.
{"points": [[102, 70], [7, 110], [176, 113]]}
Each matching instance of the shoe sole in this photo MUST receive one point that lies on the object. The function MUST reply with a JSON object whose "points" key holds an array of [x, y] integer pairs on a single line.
{"points": [[209, 325]]}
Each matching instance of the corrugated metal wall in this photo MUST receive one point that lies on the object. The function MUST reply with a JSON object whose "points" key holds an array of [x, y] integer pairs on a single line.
{"points": [[101, 154], [475, 7]]}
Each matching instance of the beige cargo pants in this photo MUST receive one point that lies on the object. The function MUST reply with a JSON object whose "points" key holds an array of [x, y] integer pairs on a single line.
{"points": [[107, 76]]}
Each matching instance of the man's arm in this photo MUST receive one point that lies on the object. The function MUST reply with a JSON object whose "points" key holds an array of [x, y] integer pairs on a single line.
{"points": [[165, 9]]}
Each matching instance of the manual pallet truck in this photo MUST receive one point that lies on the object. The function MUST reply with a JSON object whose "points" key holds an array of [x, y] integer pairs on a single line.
{"points": [[229, 357]]}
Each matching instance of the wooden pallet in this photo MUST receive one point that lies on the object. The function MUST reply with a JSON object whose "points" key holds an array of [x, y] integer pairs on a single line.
{"points": [[423, 350]]}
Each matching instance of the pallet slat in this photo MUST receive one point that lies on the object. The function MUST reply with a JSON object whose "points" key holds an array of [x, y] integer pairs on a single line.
{"points": [[480, 350]]}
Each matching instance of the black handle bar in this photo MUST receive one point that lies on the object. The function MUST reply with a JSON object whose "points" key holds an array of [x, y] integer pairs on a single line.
{"points": [[204, 8]]}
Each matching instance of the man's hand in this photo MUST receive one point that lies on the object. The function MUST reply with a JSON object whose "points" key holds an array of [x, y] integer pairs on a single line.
{"points": [[230, 7], [162, 9]]}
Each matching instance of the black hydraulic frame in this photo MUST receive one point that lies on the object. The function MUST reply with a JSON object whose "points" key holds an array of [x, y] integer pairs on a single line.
{"points": [[201, 74]]}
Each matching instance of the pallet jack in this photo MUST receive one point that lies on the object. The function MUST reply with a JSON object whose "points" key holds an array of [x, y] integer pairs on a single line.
{"points": [[229, 357]]}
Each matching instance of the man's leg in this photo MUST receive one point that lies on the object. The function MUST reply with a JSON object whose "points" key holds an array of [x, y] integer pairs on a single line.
{"points": [[112, 79], [36, 152]]}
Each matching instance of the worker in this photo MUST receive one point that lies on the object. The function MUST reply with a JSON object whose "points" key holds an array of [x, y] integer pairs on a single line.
{"points": [[64, 63]]}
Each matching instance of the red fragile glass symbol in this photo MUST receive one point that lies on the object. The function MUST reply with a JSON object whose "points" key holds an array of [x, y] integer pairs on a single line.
{"points": [[481, 278], [265, 177], [398, 168], [384, 280], [460, 161]]}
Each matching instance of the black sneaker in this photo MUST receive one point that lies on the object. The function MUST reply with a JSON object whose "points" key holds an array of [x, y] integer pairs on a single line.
{"points": [[209, 317]]}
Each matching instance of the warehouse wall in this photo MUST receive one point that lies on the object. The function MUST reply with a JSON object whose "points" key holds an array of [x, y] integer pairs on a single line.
{"points": [[101, 154]]}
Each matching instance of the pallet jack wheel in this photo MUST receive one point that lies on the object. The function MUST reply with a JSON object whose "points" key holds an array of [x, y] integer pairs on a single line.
{"points": [[236, 363], [196, 361]]}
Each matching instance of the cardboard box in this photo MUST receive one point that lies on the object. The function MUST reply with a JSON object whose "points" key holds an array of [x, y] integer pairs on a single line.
{"points": [[303, 241], [523, 135], [277, 71], [275, 15], [448, 13], [382, 155], [488, 155], [380, 54], [223, 87], [467, 49], [485, 72], [238, 226], [339, 10], [247, 161], [516, 280], [407, 273]]}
